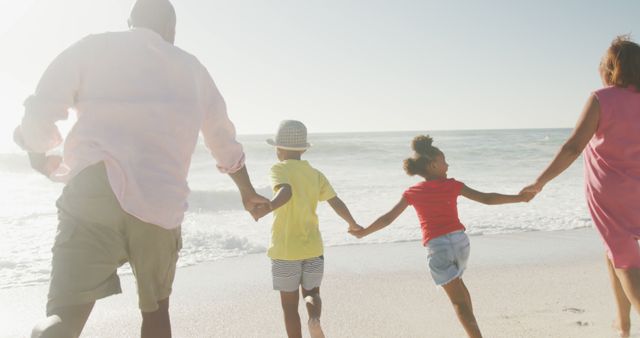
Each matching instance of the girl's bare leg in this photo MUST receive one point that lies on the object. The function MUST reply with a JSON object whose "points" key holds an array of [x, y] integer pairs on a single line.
{"points": [[291, 317], [623, 323], [459, 296]]}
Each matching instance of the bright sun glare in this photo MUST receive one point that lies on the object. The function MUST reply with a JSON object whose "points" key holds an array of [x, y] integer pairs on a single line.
{"points": [[11, 11]]}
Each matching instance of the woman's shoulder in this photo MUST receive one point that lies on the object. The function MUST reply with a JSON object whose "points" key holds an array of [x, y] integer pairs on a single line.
{"points": [[614, 92]]}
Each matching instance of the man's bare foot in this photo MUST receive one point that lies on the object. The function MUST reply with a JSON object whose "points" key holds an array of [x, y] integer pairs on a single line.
{"points": [[315, 330], [623, 330]]}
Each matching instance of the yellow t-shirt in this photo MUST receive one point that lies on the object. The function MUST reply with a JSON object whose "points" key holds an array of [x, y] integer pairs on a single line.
{"points": [[295, 234]]}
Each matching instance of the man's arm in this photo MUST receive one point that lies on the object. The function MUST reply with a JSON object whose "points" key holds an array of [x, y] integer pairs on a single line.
{"points": [[54, 95], [218, 131], [250, 199]]}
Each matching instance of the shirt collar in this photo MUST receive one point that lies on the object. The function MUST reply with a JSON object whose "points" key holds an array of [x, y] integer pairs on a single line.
{"points": [[146, 31]]}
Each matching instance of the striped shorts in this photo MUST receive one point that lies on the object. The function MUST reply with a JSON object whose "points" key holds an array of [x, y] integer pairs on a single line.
{"points": [[289, 275]]}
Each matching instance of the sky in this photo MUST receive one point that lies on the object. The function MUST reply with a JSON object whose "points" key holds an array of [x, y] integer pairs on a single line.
{"points": [[343, 65]]}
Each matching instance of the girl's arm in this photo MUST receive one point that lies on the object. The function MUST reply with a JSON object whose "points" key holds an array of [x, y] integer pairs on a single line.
{"points": [[341, 209], [493, 198], [281, 198], [570, 151], [384, 220]]}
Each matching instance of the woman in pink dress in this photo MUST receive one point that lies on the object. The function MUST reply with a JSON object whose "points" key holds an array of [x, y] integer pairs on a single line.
{"points": [[609, 133]]}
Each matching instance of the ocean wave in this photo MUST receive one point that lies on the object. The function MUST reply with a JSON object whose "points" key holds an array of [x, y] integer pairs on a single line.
{"points": [[219, 200]]}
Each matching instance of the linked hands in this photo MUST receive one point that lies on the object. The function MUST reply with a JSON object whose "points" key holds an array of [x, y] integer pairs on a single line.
{"points": [[255, 204], [530, 191], [261, 210], [356, 230]]}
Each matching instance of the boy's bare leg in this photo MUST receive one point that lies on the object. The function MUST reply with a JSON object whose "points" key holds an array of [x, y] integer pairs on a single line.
{"points": [[291, 317], [457, 292], [314, 308], [64, 322], [623, 324], [157, 324]]}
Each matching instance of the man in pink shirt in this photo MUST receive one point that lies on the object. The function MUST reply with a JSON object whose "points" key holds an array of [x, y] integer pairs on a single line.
{"points": [[141, 103]]}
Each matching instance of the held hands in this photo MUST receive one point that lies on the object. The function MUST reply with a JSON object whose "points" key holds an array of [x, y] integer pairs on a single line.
{"points": [[260, 211], [356, 230], [255, 204], [526, 196], [530, 191]]}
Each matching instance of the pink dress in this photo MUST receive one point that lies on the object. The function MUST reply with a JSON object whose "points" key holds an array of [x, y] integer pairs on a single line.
{"points": [[612, 174]]}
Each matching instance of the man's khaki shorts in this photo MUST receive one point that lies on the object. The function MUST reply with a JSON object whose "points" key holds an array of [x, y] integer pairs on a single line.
{"points": [[95, 236]]}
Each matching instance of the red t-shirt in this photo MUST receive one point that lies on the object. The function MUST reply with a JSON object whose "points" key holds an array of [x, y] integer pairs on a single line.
{"points": [[436, 205]]}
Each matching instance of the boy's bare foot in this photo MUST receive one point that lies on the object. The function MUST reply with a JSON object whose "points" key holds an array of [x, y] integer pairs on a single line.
{"points": [[315, 330], [624, 332]]}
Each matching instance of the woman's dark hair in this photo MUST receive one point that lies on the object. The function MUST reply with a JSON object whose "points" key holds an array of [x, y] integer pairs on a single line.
{"points": [[620, 65], [424, 153]]}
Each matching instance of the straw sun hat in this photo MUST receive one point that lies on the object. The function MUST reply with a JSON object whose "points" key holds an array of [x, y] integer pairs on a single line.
{"points": [[292, 135]]}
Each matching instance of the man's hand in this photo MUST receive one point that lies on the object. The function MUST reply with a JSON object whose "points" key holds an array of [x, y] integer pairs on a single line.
{"points": [[254, 204], [260, 211], [44, 164]]}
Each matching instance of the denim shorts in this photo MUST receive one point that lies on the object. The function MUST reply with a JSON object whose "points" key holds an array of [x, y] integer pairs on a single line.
{"points": [[448, 256]]}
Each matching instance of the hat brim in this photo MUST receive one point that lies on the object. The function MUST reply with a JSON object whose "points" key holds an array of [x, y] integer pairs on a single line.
{"points": [[273, 143]]}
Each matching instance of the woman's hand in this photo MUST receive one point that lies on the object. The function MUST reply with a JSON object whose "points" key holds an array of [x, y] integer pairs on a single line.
{"points": [[534, 188]]}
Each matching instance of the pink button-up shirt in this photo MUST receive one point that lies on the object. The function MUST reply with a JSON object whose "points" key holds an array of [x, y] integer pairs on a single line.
{"points": [[141, 103]]}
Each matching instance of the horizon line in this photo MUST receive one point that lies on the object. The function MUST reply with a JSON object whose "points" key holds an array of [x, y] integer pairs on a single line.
{"points": [[412, 130]]}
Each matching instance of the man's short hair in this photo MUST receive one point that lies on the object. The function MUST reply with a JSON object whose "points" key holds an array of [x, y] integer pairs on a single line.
{"points": [[152, 14]]}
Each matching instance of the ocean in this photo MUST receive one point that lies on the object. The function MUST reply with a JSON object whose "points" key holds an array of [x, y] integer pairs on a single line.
{"points": [[365, 169]]}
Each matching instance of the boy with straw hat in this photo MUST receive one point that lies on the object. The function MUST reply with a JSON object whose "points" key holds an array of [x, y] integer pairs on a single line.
{"points": [[296, 249]]}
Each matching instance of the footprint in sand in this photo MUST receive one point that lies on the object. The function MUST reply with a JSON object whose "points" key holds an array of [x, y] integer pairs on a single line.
{"points": [[573, 310]]}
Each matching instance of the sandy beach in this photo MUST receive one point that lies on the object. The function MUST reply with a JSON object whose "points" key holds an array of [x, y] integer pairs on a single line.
{"points": [[534, 284]]}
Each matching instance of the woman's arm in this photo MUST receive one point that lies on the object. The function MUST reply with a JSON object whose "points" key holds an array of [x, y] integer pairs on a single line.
{"points": [[572, 148], [493, 198], [384, 220]]}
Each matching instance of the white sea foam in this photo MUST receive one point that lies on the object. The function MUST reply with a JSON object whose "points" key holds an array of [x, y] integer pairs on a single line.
{"points": [[364, 168]]}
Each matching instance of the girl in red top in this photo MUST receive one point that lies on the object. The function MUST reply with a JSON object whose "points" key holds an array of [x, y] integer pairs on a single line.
{"points": [[435, 202]]}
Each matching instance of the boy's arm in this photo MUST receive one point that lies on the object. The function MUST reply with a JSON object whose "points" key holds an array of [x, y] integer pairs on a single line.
{"points": [[385, 219], [341, 209], [281, 198], [493, 198]]}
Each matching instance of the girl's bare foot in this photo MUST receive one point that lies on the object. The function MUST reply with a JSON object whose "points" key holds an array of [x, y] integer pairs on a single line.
{"points": [[623, 330], [315, 330]]}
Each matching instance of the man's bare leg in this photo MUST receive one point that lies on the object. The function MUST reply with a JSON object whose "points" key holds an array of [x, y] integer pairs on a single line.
{"points": [[157, 324], [64, 322]]}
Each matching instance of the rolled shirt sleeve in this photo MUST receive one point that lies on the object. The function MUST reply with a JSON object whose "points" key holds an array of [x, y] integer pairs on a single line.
{"points": [[219, 132], [54, 96]]}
